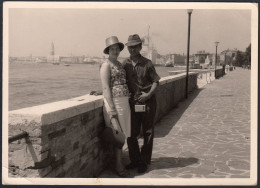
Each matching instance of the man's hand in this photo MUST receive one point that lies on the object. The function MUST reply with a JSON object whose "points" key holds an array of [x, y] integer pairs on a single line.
{"points": [[144, 97]]}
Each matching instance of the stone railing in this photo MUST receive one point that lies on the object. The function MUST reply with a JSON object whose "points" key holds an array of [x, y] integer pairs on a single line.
{"points": [[231, 68], [219, 72], [63, 136], [172, 90], [176, 72], [201, 72], [204, 76]]}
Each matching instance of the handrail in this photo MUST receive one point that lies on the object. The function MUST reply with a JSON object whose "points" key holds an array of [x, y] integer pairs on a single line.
{"points": [[18, 137]]}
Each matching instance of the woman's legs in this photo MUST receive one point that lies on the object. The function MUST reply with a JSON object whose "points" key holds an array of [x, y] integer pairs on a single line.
{"points": [[123, 110], [119, 163], [119, 167], [124, 114]]}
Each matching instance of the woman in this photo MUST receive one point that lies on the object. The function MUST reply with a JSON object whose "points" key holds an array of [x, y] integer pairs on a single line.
{"points": [[116, 95]]}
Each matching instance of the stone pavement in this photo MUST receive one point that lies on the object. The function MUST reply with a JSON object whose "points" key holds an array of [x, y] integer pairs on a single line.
{"points": [[206, 136]]}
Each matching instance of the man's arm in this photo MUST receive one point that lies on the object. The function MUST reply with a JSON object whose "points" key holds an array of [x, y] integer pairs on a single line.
{"points": [[154, 77], [145, 96]]}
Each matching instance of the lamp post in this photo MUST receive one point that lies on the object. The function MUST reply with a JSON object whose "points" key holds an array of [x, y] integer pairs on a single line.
{"points": [[148, 37], [216, 43], [189, 11], [225, 57]]}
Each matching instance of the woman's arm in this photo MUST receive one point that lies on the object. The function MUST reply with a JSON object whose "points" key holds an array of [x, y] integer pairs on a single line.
{"points": [[125, 62], [105, 80]]}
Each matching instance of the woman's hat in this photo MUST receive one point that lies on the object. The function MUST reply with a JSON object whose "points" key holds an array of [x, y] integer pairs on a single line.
{"points": [[110, 41], [133, 40]]}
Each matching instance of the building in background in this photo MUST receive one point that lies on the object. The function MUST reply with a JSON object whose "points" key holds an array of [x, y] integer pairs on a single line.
{"points": [[202, 59], [175, 59], [229, 57], [191, 60], [52, 58]]}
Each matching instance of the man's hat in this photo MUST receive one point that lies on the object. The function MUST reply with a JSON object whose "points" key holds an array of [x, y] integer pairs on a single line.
{"points": [[133, 40], [111, 41]]}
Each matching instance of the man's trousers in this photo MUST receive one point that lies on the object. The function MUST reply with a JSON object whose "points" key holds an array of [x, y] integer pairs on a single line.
{"points": [[142, 121]]}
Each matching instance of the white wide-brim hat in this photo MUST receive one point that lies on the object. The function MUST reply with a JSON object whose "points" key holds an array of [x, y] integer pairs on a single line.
{"points": [[111, 41]]}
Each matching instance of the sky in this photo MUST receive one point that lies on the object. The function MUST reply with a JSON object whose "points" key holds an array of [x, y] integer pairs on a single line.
{"points": [[83, 31]]}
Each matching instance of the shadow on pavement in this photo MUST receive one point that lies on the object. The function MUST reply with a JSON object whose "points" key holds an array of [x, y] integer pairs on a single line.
{"points": [[156, 164], [172, 162], [167, 162], [162, 129]]}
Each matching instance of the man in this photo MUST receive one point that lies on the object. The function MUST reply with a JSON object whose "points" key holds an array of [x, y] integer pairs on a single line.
{"points": [[142, 81]]}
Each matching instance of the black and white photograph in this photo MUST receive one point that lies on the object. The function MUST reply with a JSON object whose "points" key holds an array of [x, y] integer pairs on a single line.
{"points": [[129, 93]]}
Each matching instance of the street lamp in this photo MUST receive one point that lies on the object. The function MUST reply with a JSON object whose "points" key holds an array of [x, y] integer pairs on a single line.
{"points": [[216, 43], [189, 11]]}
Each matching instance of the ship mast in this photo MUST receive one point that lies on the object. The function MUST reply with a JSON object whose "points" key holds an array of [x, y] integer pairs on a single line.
{"points": [[52, 52]]}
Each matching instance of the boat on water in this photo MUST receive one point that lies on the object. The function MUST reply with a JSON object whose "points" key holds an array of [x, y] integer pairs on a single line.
{"points": [[169, 62], [38, 60], [89, 60], [55, 63]]}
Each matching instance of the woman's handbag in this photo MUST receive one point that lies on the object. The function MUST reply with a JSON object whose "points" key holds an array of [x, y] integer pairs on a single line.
{"points": [[115, 137]]}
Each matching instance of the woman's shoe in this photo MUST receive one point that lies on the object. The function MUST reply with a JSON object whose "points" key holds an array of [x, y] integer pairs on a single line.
{"points": [[122, 173]]}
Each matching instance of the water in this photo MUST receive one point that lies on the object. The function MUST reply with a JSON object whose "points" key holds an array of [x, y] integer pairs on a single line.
{"points": [[34, 84]]}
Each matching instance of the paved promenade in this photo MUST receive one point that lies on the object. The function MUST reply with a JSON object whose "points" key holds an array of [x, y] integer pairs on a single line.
{"points": [[206, 136]]}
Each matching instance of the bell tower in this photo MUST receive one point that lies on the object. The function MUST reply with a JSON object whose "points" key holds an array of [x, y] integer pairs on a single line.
{"points": [[52, 52]]}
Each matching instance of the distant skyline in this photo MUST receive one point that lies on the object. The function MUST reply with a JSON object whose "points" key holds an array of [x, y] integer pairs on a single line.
{"points": [[83, 31]]}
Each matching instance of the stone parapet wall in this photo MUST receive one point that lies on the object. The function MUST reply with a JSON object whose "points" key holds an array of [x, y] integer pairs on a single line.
{"points": [[172, 90], [63, 136], [219, 72], [176, 72], [231, 68], [62, 139], [204, 76]]}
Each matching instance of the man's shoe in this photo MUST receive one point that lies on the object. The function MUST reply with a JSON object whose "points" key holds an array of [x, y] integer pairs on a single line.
{"points": [[142, 168], [131, 166], [122, 173]]}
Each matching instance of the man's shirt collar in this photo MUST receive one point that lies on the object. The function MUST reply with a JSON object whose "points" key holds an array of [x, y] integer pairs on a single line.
{"points": [[135, 58]]}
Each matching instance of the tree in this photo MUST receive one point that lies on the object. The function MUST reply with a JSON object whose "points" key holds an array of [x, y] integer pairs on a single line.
{"points": [[248, 54], [240, 59]]}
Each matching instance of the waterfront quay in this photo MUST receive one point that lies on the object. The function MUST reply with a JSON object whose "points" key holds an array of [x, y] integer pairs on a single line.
{"points": [[206, 135]]}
